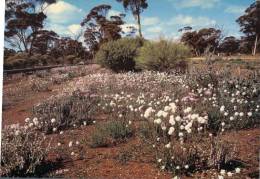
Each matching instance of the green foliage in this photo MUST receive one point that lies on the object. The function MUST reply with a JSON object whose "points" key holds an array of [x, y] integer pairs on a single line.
{"points": [[119, 55], [68, 111], [110, 133], [163, 55]]}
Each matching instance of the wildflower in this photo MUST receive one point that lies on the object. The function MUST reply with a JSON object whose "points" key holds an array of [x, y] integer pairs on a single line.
{"points": [[54, 129], [163, 126], [70, 144], [163, 167], [129, 122], [168, 145], [220, 177], [222, 108], [159, 160], [241, 114], [72, 153], [187, 110], [231, 118], [77, 142], [180, 134], [186, 166], [17, 132], [31, 124], [178, 118], [172, 121], [148, 112], [157, 121], [94, 122], [53, 120], [226, 114], [238, 170], [249, 114], [61, 132], [120, 115], [84, 123], [222, 172], [27, 120], [59, 144], [178, 167], [229, 174], [171, 130]]}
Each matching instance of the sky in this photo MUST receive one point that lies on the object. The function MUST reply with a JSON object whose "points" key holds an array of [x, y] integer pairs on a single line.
{"points": [[161, 18]]}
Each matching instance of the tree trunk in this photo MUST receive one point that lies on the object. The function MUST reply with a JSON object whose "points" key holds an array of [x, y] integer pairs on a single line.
{"points": [[139, 25], [255, 46]]}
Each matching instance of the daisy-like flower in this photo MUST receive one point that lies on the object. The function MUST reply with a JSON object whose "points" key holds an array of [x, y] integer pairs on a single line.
{"points": [[70, 144], [53, 120], [171, 130]]}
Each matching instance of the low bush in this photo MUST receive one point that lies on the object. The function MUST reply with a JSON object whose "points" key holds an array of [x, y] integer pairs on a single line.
{"points": [[119, 55], [22, 151], [65, 112], [162, 56], [110, 133]]}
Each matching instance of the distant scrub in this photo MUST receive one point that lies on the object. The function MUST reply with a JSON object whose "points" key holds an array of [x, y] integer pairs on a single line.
{"points": [[119, 55], [163, 55]]}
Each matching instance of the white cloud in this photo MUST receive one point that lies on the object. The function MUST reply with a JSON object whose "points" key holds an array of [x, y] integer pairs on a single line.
{"points": [[63, 12], [204, 4], [126, 28], [113, 13], [147, 21], [74, 28], [235, 9], [155, 29], [185, 20]]}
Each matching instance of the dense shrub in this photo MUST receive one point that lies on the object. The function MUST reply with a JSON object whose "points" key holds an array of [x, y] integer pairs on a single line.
{"points": [[163, 55], [110, 133], [22, 151], [67, 111], [119, 55]]}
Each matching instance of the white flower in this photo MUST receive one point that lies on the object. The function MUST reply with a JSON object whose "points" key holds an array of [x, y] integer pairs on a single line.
{"points": [[187, 110], [186, 166], [35, 121], [72, 153], [226, 114], [157, 121], [223, 123], [148, 112], [238, 170], [222, 172], [54, 129], [27, 119], [241, 114], [61, 132], [31, 124], [159, 160], [59, 144], [172, 121], [222, 108], [178, 118], [84, 123], [70, 144], [220, 177], [17, 132], [53, 120], [249, 114], [120, 115], [129, 122], [231, 118], [178, 167], [180, 134], [163, 167], [171, 130], [229, 174], [168, 145], [77, 142], [173, 107]]}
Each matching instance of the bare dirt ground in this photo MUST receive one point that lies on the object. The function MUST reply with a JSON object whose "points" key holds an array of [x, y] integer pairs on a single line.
{"points": [[125, 160]]}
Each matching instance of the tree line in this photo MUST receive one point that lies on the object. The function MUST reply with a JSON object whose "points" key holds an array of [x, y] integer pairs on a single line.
{"points": [[25, 19]]}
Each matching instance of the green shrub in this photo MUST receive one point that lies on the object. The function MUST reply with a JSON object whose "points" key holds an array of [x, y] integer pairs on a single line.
{"points": [[66, 111], [23, 151], [163, 55], [110, 133], [119, 55]]}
